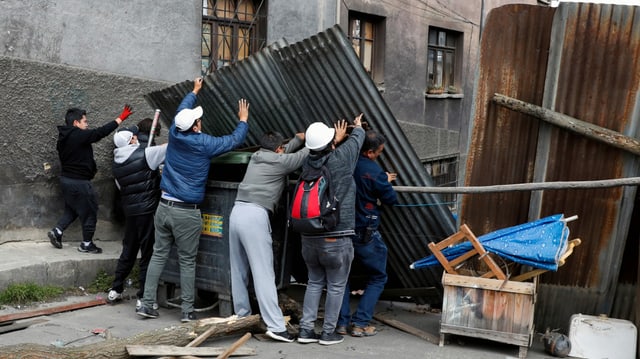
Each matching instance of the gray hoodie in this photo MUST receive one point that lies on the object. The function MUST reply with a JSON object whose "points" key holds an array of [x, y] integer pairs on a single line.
{"points": [[341, 164], [264, 180]]}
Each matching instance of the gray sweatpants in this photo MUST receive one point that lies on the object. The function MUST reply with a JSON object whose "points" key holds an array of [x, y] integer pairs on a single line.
{"points": [[250, 250]]}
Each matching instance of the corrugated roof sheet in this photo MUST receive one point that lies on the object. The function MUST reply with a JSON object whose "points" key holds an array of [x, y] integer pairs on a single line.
{"points": [[320, 78]]}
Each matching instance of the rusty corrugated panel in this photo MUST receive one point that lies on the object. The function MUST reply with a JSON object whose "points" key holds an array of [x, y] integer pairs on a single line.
{"points": [[321, 79], [594, 76], [513, 58], [598, 83]]}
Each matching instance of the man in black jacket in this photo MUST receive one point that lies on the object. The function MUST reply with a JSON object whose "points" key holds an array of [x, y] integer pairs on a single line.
{"points": [[135, 168], [78, 169]]}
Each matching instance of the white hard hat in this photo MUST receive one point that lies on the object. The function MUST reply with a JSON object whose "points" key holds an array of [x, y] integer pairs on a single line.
{"points": [[318, 136]]}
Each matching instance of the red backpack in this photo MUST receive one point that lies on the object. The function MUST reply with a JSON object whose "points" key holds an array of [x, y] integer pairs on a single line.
{"points": [[315, 208]]}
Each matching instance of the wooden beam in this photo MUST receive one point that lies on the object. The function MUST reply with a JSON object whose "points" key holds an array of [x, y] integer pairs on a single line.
{"points": [[52, 310], [433, 339], [558, 185], [589, 130], [173, 350], [234, 347]]}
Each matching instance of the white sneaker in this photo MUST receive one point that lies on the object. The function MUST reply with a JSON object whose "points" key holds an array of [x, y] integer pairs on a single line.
{"points": [[139, 305], [113, 296]]}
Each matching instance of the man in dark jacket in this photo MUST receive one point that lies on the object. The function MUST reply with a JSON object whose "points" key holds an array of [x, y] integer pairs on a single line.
{"points": [[373, 186], [78, 169], [135, 168], [184, 176], [328, 255]]}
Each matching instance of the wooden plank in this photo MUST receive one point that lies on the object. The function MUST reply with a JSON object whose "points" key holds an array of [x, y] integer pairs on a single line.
{"points": [[502, 337], [52, 310], [485, 283], [587, 129], [21, 325], [434, 339], [237, 344], [172, 350]]}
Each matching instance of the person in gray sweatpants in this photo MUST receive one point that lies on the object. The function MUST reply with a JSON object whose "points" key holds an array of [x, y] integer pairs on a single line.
{"points": [[250, 242]]}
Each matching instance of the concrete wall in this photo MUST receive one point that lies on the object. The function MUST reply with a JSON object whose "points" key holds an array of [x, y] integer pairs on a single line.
{"points": [[36, 96], [152, 39], [297, 20]]}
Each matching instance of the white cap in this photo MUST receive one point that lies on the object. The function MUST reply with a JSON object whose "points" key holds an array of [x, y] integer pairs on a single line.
{"points": [[318, 136], [186, 118], [123, 136]]}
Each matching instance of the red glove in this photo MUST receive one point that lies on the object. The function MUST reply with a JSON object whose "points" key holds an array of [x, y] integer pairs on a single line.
{"points": [[126, 111]]}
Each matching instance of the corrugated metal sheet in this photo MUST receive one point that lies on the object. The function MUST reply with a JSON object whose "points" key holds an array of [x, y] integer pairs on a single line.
{"points": [[322, 79], [581, 60]]}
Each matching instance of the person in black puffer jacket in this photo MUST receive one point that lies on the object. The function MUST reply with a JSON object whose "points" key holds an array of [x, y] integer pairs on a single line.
{"points": [[135, 168]]}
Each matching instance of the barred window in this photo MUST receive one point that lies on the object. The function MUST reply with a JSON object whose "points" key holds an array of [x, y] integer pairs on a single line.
{"points": [[231, 31]]}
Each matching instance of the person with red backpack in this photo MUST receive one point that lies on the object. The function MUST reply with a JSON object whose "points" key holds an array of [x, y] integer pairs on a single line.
{"points": [[328, 254]]}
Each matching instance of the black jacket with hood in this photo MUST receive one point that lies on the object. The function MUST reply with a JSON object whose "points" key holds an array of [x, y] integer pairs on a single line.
{"points": [[76, 151]]}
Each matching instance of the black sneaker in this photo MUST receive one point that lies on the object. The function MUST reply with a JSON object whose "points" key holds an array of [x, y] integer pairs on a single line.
{"points": [[330, 338], [281, 336], [55, 238], [306, 336], [91, 248], [187, 317], [147, 312]]}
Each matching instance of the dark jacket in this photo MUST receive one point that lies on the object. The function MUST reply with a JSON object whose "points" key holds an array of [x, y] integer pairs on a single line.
{"points": [[341, 164], [76, 151], [139, 184], [372, 184]]}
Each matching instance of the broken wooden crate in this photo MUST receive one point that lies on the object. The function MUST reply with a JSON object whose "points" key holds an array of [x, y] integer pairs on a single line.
{"points": [[482, 307]]}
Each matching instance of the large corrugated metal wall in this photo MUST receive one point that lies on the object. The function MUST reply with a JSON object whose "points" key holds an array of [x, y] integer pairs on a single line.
{"points": [[581, 60], [321, 79]]}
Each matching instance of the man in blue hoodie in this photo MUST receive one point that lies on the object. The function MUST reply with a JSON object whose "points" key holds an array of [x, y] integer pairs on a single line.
{"points": [[184, 177]]}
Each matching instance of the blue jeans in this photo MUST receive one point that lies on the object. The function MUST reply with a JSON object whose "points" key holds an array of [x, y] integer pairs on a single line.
{"points": [[373, 256], [328, 263]]}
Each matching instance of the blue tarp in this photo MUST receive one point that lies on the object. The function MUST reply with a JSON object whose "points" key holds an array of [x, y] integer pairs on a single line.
{"points": [[538, 244]]}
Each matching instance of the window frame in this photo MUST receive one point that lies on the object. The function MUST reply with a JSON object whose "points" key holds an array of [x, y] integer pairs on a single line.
{"points": [[211, 27], [447, 176], [377, 42], [451, 55]]}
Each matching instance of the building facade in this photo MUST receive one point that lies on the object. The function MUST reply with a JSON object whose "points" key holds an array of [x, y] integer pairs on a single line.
{"points": [[421, 54]]}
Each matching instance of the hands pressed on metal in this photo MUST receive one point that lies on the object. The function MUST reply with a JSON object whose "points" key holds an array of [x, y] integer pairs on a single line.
{"points": [[197, 84], [341, 131], [243, 110]]}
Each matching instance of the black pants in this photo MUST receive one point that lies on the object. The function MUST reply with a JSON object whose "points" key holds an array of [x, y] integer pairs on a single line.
{"points": [[139, 235], [80, 200]]}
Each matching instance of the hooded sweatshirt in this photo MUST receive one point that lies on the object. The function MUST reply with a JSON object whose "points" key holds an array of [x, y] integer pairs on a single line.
{"points": [[341, 164], [75, 149]]}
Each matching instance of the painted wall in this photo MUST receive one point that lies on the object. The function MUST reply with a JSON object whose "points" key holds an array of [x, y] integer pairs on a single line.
{"points": [[152, 39], [297, 20], [74, 53]]}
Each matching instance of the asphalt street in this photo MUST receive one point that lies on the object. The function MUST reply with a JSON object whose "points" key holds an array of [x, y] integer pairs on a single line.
{"points": [[38, 261]]}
